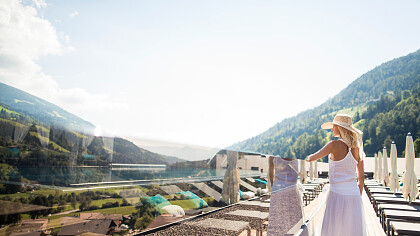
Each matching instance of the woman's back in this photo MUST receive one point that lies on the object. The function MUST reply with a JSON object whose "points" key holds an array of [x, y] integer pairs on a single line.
{"points": [[339, 151], [342, 172]]}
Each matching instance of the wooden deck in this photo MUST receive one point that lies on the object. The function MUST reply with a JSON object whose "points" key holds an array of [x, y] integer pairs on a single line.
{"points": [[373, 225]]}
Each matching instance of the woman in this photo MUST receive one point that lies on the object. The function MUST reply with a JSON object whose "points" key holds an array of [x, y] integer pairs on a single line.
{"points": [[286, 208], [344, 210]]}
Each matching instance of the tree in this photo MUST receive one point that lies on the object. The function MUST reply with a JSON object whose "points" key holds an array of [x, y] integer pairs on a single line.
{"points": [[146, 213], [73, 203], [83, 206]]}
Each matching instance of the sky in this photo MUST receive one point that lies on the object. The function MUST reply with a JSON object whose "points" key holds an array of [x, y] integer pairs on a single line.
{"points": [[208, 73]]}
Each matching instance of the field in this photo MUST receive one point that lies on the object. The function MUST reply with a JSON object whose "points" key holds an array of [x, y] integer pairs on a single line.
{"points": [[126, 210]]}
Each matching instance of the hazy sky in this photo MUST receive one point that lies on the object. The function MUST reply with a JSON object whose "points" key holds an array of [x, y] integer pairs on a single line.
{"points": [[210, 73]]}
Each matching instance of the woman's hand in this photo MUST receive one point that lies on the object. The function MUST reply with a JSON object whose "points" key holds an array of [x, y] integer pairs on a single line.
{"points": [[360, 187], [308, 159]]}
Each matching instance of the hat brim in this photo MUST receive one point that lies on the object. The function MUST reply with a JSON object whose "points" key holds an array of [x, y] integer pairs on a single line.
{"points": [[327, 125], [351, 128]]}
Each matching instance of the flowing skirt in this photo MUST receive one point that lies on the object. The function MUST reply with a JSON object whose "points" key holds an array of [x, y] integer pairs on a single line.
{"points": [[285, 211], [344, 215]]}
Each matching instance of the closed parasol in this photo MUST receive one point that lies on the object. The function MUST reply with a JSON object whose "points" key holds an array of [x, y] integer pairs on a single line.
{"points": [[410, 189], [393, 181], [385, 172], [375, 172], [311, 171], [379, 166]]}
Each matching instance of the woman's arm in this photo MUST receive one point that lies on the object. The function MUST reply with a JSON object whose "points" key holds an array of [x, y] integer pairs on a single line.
{"points": [[327, 149], [271, 170], [360, 175], [360, 170]]}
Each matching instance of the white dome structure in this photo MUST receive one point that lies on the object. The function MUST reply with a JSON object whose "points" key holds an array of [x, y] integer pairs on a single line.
{"points": [[174, 210], [247, 195]]}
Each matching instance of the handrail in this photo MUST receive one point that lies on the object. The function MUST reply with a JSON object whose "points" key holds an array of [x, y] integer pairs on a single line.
{"points": [[305, 225]]}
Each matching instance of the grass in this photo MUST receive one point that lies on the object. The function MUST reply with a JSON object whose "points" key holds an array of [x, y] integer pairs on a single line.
{"points": [[185, 204], [25, 216], [133, 200], [46, 192], [44, 130], [126, 210], [116, 190], [16, 195], [95, 203], [79, 135], [55, 223], [13, 122], [59, 216], [7, 110], [351, 111], [47, 140]]}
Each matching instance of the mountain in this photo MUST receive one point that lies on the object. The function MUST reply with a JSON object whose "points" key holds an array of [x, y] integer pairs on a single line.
{"points": [[184, 151], [301, 135], [42, 110], [390, 119], [42, 134]]}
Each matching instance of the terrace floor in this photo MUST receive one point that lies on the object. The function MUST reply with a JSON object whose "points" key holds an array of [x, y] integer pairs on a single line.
{"points": [[373, 225]]}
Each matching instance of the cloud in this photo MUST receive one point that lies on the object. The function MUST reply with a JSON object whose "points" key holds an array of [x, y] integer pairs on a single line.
{"points": [[72, 15], [40, 3], [24, 38], [64, 37]]}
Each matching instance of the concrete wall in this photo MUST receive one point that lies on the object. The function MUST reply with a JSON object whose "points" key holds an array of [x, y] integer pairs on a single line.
{"points": [[248, 161], [221, 161], [369, 164], [245, 162]]}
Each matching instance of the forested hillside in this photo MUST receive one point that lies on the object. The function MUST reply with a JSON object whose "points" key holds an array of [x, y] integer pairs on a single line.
{"points": [[30, 136], [301, 135], [42, 110], [390, 119], [40, 145]]}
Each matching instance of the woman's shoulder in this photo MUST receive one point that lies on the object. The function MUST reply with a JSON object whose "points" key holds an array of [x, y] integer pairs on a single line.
{"points": [[336, 143]]}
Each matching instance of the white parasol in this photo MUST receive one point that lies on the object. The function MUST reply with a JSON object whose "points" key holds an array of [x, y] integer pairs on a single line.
{"points": [[410, 189], [375, 173], [230, 192], [394, 182], [302, 172], [385, 172], [379, 166], [311, 171]]}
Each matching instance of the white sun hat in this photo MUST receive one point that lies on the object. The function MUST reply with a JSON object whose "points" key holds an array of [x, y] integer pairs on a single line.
{"points": [[344, 121]]}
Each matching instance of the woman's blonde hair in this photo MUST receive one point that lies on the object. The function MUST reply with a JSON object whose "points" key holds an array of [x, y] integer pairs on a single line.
{"points": [[349, 138]]}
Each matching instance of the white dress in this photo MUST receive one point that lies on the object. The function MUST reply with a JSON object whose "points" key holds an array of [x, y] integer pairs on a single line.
{"points": [[285, 201], [344, 215]]}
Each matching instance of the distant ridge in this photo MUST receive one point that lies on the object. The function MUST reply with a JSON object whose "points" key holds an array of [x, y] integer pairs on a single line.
{"points": [[300, 135], [42, 110], [184, 151]]}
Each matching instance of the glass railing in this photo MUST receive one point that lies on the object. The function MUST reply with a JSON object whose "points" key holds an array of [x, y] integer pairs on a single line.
{"points": [[60, 181]]}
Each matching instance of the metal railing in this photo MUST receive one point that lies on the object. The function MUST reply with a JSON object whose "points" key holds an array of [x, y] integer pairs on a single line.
{"points": [[310, 219]]}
